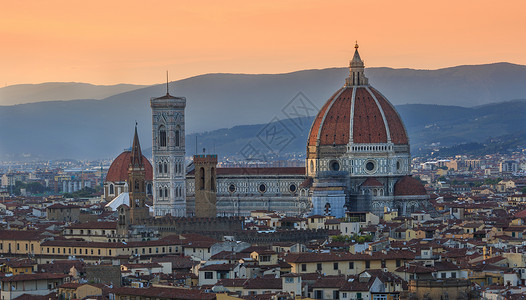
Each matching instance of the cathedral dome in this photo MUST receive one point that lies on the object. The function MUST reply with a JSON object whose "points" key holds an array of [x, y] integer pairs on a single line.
{"points": [[357, 113], [118, 171], [409, 186]]}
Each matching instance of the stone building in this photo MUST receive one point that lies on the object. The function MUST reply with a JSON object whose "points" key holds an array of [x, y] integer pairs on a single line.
{"points": [[168, 150], [357, 151], [205, 186]]}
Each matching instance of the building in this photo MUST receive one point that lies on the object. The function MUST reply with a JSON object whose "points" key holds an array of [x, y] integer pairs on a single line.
{"points": [[358, 152], [63, 213], [116, 181], [168, 149], [32, 284], [358, 159]]}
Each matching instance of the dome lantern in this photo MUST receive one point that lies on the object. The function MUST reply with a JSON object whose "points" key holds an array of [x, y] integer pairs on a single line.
{"points": [[356, 70]]}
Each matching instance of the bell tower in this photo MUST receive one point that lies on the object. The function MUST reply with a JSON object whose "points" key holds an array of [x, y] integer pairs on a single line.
{"points": [[168, 149], [136, 184], [205, 186]]}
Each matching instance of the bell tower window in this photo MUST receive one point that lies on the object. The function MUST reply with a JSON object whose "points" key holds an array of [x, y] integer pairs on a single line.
{"points": [[162, 136], [177, 138]]}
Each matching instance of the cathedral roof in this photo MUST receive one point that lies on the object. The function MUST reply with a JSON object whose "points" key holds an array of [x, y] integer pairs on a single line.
{"points": [[118, 171], [259, 171], [371, 182], [409, 186], [357, 113]]}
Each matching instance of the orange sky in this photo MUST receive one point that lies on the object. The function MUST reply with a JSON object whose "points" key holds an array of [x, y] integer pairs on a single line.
{"points": [[108, 42]]}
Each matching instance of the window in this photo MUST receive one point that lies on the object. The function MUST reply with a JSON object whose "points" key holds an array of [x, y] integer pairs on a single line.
{"points": [[335, 294], [304, 267], [335, 266], [398, 263], [289, 279], [351, 265], [177, 138], [453, 275], [162, 136], [442, 275], [367, 264], [209, 275], [318, 294], [264, 258], [318, 267], [383, 264]]}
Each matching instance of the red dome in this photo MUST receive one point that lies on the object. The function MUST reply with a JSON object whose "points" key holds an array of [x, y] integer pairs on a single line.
{"points": [[119, 168], [409, 186], [372, 117]]}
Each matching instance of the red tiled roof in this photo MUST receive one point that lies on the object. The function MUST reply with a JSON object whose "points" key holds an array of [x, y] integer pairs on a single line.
{"points": [[165, 293], [333, 122], [218, 267], [94, 225], [20, 235], [325, 257], [371, 182], [409, 186], [118, 171], [36, 276]]}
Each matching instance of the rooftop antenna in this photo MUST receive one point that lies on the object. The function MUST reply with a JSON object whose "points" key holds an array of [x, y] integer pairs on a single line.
{"points": [[167, 93]]}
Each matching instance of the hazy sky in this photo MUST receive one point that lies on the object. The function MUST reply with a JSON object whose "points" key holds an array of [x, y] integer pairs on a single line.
{"points": [[108, 42]]}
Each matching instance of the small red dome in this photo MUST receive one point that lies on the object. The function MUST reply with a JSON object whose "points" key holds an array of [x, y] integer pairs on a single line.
{"points": [[360, 113], [409, 186], [119, 168]]}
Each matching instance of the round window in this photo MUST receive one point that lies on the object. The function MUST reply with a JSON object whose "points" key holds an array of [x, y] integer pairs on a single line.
{"points": [[292, 188], [231, 188], [335, 166], [369, 166], [262, 188]]}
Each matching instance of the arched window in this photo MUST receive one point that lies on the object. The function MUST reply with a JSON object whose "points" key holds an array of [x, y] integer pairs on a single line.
{"points": [[160, 169], [202, 186], [149, 188], [165, 168], [136, 186], [112, 191], [212, 180], [162, 136], [177, 137], [166, 192]]}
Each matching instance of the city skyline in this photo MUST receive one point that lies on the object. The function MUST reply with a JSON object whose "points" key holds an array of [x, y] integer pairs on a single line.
{"points": [[122, 42]]}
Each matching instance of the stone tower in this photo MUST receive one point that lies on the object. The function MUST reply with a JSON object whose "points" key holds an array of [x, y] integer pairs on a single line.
{"points": [[205, 186], [168, 149], [136, 183]]}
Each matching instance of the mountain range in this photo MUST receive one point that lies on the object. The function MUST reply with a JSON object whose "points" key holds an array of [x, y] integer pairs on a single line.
{"points": [[439, 107], [50, 91]]}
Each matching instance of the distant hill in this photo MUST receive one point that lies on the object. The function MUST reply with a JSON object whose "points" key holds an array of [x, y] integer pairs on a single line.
{"points": [[102, 128], [494, 127], [50, 91]]}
